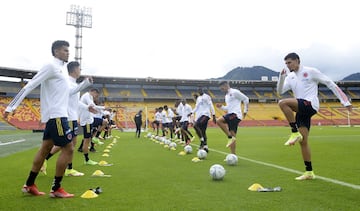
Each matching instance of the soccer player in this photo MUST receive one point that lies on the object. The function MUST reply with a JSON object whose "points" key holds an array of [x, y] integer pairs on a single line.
{"points": [[156, 122], [167, 121], [74, 72], [203, 110], [186, 112], [54, 101], [230, 121], [86, 121], [303, 81], [138, 123]]}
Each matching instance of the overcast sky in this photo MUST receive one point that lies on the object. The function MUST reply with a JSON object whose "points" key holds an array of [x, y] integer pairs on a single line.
{"points": [[189, 39]]}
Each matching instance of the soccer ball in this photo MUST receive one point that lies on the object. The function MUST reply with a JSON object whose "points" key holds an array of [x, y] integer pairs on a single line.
{"points": [[167, 141], [231, 159], [217, 172], [172, 144], [149, 135], [201, 154], [188, 149]]}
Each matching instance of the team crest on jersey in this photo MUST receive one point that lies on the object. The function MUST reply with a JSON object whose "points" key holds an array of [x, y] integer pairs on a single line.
{"points": [[306, 75]]}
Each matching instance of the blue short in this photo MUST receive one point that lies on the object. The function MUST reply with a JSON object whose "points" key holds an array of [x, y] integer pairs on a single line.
{"points": [[184, 125], [304, 114], [74, 127], [97, 122], [87, 130], [233, 121], [202, 122], [58, 131]]}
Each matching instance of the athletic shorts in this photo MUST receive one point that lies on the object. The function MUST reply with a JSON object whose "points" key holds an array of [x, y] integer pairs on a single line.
{"points": [[87, 130], [177, 118], [184, 125], [58, 131], [233, 121], [168, 125], [157, 123], [74, 127], [202, 122], [97, 122], [304, 114]]}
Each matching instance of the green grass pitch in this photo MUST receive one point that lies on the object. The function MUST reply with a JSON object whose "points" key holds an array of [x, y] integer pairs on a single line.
{"points": [[146, 176]]}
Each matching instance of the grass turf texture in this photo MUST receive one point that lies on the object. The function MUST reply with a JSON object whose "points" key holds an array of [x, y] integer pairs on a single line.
{"points": [[146, 176]]}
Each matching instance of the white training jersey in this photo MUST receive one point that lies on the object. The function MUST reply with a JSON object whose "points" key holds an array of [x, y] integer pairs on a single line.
{"points": [[304, 84], [233, 99], [84, 114], [204, 106], [54, 91], [186, 110], [179, 109], [74, 98], [158, 116], [167, 116]]}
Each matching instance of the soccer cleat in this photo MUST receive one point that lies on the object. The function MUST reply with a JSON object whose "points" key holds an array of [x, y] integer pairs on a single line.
{"points": [[43, 167], [60, 193], [231, 141], [206, 148], [308, 175], [294, 137], [73, 173], [97, 141], [92, 149], [91, 162], [32, 189]]}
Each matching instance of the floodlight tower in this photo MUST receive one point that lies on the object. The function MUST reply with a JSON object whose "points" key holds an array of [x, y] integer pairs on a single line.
{"points": [[79, 17]]}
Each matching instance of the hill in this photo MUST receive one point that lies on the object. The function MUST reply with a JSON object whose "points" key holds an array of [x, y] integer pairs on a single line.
{"points": [[249, 73], [352, 77]]}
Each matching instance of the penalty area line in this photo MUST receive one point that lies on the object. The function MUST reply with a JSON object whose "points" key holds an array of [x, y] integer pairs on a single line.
{"points": [[357, 187], [12, 142]]}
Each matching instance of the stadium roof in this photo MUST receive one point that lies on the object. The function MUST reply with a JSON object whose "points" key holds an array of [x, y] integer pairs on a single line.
{"points": [[28, 74]]}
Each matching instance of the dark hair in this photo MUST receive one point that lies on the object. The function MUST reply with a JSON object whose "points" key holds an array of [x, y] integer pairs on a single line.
{"points": [[72, 65], [95, 90], [58, 44], [223, 83], [292, 56]]}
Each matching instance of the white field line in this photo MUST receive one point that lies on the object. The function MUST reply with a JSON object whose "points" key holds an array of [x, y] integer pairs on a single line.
{"points": [[12, 142], [292, 170]]}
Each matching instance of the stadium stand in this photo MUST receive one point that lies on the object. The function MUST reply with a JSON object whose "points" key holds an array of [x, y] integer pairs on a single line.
{"points": [[128, 95]]}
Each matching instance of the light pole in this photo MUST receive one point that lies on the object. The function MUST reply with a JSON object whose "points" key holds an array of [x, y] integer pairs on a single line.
{"points": [[79, 17]]}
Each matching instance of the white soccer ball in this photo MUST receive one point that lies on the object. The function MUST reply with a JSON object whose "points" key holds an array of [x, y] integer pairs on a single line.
{"points": [[167, 141], [188, 149], [201, 154], [217, 172], [149, 135], [231, 159], [172, 144]]}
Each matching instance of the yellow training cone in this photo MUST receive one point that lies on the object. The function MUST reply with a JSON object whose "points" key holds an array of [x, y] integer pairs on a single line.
{"points": [[105, 155], [196, 159], [99, 173], [166, 146], [106, 150], [182, 153], [173, 148], [89, 194], [104, 163], [255, 187], [109, 147]]}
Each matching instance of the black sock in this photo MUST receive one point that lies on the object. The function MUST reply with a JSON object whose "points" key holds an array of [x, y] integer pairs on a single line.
{"points": [[308, 166], [86, 155], [81, 145], [56, 185], [229, 136], [70, 166], [49, 156], [31, 178], [294, 127], [92, 145], [98, 134]]}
